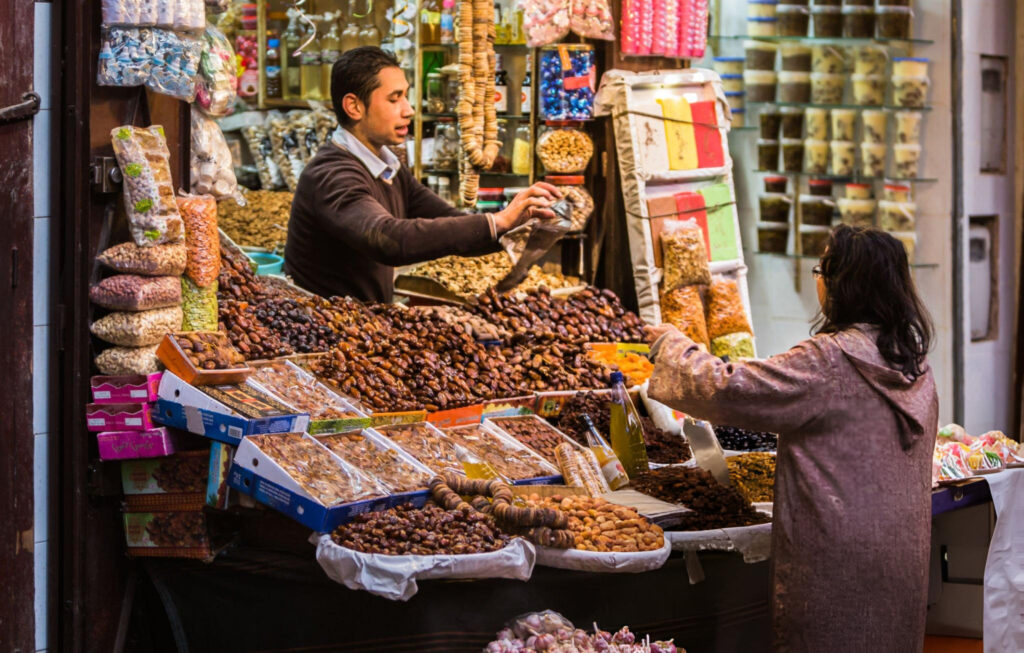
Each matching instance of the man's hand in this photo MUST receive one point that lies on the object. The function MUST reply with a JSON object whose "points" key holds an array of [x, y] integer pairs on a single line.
{"points": [[534, 201]]}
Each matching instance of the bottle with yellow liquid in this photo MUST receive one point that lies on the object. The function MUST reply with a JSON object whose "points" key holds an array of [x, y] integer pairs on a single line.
{"points": [[330, 51], [476, 467], [626, 430], [310, 69], [611, 467]]}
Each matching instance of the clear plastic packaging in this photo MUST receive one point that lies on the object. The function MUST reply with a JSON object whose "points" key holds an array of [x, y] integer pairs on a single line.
{"points": [[816, 155], [126, 54], [844, 123], [592, 19], [908, 127], [827, 59], [868, 90], [775, 184], [759, 55], [772, 238], [143, 157], [427, 444], [508, 457], [218, 81], [794, 87], [287, 148], [872, 159], [792, 154], [129, 292], [796, 58], [817, 120], [857, 212], [573, 188], [728, 65], [894, 22], [827, 88], [546, 21], [381, 459], [137, 329], [567, 82], [767, 154], [262, 150], [212, 166], [820, 187], [564, 148], [897, 216], [158, 260], [905, 160], [735, 346], [684, 255], [859, 22], [828, 21], [816, 210], [844, 157], [725, 311], [637, 32], [870, 60], [683, 308], [896, 192], [858, 191], [793, 20], [580, 469], [202, 241], [910, 66], [119, 361], [769, 121], [814, 239], [910, 91], [761, 27], [875, 125], [760, 85], [198, 306], [775, 207], [175, 65]]}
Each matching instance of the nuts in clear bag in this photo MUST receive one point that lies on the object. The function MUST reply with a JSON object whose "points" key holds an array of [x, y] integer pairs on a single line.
{"points": [[198, 306], [726, 313], [129, 292], [684, 255], [128, 360], [262, 150], [199, 212], [143, 157], [158, 260], [137, 329], [580, 470], [572, 188], [682, 308]]}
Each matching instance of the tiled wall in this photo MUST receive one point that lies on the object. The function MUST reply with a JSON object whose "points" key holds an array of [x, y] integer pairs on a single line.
{"points": [[44, 131]]}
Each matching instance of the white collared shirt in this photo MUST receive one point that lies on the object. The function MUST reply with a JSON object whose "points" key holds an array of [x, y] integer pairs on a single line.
{"points": [[383, 164]]}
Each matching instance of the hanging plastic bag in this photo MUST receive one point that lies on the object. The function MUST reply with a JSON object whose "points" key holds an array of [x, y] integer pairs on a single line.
{"points": [[682, 308], [684, 255], [175, 65], [198, 306], [286, 150], [726, 313], [212, 166], [120, 12], [157, 260], [126, 54], [148, 191], [592, 19], [216, 87], [202, 241], [262, 150], [217, 6], [545, 21]]}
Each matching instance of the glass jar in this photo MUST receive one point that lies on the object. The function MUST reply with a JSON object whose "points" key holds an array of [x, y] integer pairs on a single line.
{"points": [[522, 150], [767, 154], [435, 94], [769, 120], [572, 187], [568, 79], [772, 238], [446, 145], [894, 22], [503, 160], [859, 22], [563, 147], [775, 207], [828, 21], [452, 93], [792, 19], [816, 210]]}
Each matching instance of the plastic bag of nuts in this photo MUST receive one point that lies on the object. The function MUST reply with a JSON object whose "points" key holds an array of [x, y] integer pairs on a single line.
{"points": [[683, 308], [137, 329], [684, 255], [198, 306], [726, 313], [202, 241], [564, 147], [571, 187], [130, 292], [144, 160], [128, 360], [158, 260]]}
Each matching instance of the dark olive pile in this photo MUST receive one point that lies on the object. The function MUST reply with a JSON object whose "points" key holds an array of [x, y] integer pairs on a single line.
{"points": [[712, 505], [736, 439]]}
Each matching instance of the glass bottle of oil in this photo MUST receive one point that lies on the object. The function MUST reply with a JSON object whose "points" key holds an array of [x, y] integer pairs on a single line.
{"points": [[611, 467], [627, 431], [350, 35], [310, 67], [290, 63], [330, 50]]}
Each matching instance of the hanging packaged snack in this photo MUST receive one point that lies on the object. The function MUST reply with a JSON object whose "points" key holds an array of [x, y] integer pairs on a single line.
{"points": [[148, 190], [118, 361], [683, 309], [567, 82], [726, 313], [592, 19], [286, 150], [217, 83], [202, 241], [580, 468], [126, 54], [198, 306], [129, 292], [158, 260], [734, 345], [212, 166], [545, 21], [175, 65], [137, 329], [684, 255], [262, 151]]}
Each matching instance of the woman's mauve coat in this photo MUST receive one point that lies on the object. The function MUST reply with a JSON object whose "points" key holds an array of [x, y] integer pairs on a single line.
{"points": [[852, 518]]}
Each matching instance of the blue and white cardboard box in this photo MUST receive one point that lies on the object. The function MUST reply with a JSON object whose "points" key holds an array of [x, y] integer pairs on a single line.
{"points": [[255, 473], [188, 408]]}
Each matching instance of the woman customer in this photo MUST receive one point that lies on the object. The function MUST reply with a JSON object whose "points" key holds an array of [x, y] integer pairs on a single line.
{"points": [[856, 411]]}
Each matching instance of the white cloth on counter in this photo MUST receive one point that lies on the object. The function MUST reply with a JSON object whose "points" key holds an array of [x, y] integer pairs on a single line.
{"points": [[604, 562], [1003, 625]]}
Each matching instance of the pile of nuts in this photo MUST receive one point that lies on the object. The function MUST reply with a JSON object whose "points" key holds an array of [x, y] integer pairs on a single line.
{"points": [[662, 446], [753, 474], [712, 505], [382, 462], [262, 222], [565, 150], [602, 526], [430, 530], [471, 276], [209, 350], [534, 433]]}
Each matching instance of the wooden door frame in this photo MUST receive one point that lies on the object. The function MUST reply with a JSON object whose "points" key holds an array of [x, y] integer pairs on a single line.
{"points": [[17, 536]]}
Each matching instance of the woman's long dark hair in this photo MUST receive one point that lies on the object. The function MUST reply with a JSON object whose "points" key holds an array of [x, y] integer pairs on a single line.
{"points": [[867, 280]]}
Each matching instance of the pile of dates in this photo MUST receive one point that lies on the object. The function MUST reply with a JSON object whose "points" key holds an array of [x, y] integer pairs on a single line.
{"points": [[430, 530], [208, 350]]}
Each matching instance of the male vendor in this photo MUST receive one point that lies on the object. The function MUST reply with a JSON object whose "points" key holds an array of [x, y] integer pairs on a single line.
{"points": [[358, 212]]}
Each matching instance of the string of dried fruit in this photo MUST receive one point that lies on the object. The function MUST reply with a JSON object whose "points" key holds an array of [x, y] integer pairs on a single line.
{"points": [[478, 120]]}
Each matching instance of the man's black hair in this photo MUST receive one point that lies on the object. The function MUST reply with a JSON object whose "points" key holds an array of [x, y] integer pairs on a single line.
{"points": [[355, 72]]}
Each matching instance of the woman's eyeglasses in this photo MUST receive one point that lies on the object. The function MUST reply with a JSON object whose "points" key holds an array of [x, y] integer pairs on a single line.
{"points": [[816, 271]]}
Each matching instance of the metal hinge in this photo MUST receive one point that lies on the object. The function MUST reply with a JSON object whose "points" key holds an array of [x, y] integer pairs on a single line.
{"points": [[106, 176], [28, 107]]}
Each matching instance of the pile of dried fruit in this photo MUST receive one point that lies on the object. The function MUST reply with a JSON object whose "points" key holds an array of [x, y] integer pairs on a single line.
{"points": [[430, 530], [602, 526], [753, 474], [472, 276], [712, 505], [637, 368]]}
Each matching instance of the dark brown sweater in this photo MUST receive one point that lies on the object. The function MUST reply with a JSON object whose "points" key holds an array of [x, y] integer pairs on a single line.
{"points": [[348, 231]]}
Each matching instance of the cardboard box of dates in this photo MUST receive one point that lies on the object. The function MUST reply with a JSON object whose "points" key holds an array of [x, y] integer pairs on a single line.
{"points": [[226, 413]]}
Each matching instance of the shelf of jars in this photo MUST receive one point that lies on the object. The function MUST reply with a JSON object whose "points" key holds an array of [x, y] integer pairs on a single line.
{"points": [[856, 177], [822, 40], [808, 257]]}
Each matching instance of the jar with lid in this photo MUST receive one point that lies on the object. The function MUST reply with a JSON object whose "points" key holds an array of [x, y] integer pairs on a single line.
{"points": [[563, 147], [452, 93], [793, 19], [503, 161], [435, 93], [568, 79], [444, 188], [446, 145], [572, 188], [522, 150], [859, 22]]}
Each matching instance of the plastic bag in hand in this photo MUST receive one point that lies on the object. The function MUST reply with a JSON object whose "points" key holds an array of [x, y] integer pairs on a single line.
{"points": [[212, 167], [216, 88], [175, 65], [545, 21], [126, 54], [592, 19]]}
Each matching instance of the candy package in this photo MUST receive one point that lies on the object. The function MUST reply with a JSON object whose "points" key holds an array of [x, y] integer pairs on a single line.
{"points": [[949, 462], [202, 242], [545, 21], [175, 65], [198, 306], [682, 308], [212, 167], [149, 202], [592, 19], [287, 151], [126, 54], [637, 27], [735, 346], [684, 255], [726, 313], [262, 150], [216, 88]]}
